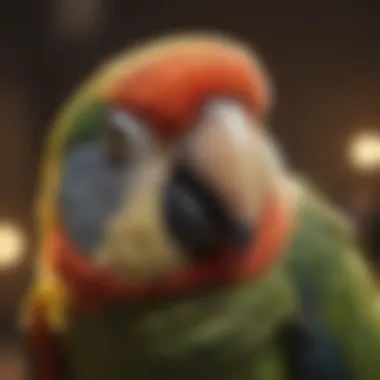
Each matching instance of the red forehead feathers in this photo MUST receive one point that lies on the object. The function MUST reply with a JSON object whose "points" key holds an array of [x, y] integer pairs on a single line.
{"points": [[169, 90]]}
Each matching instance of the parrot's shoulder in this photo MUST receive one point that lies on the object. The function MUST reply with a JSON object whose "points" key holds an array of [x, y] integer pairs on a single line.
{"points": [[318, 217], [336, 289], [323, 236]]}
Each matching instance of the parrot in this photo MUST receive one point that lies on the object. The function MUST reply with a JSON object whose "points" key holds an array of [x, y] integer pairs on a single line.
{"points": [[176, 243]]}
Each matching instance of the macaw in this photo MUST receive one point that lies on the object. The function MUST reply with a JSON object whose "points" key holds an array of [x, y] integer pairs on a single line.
{"points": [[176, 244]]}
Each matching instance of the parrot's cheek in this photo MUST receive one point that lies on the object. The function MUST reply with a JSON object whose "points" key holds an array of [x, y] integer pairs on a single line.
{"points": [[137, 243]]}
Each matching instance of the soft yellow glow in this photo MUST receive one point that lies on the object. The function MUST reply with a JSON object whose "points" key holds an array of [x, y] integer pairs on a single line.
{"points": [[12, 245], [364, 151]]}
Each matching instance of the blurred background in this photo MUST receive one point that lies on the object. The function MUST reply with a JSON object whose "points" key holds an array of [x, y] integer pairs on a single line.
{"points": [[325, 61]]}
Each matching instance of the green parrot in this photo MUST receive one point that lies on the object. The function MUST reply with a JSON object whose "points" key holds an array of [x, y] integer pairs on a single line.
{"points": [[175, 243]]}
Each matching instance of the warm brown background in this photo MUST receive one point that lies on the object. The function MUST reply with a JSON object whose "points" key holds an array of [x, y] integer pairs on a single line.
{"points": [[324, 56]]}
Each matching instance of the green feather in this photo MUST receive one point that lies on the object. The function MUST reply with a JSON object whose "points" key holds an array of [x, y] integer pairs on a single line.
{"points": [[223, 333], [323, 258], [87, 123]]}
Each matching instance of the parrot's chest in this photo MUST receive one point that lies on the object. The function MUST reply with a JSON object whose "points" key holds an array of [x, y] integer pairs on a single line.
{"points": [[216, 336], [106, 354]]}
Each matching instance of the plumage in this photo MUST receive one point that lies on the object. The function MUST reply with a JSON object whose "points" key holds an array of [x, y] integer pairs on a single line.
{"points": [[340, 291], [119, 295]]}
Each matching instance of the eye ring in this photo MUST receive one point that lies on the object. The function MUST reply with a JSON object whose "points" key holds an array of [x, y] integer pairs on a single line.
{"points": [[125, 138]]}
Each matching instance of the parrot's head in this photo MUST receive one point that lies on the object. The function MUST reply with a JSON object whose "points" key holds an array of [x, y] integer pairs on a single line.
{"points": [[166, 180]]}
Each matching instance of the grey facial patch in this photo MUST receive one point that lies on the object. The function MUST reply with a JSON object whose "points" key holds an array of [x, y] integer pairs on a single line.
{"points": [[91, 191]]}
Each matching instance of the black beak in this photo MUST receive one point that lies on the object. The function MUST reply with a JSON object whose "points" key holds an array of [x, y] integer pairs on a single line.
{"points": [[198, 220]]}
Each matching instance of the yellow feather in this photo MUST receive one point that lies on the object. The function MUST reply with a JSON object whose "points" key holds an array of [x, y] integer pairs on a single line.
{"points": [[51, 296]]}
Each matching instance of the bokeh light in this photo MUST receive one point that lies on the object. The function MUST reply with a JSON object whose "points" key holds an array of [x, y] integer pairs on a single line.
{"points": [[12, 245], [364, 151]]}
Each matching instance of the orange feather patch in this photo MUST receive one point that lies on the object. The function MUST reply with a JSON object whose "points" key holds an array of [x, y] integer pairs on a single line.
{"points": [[169, 90]]}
